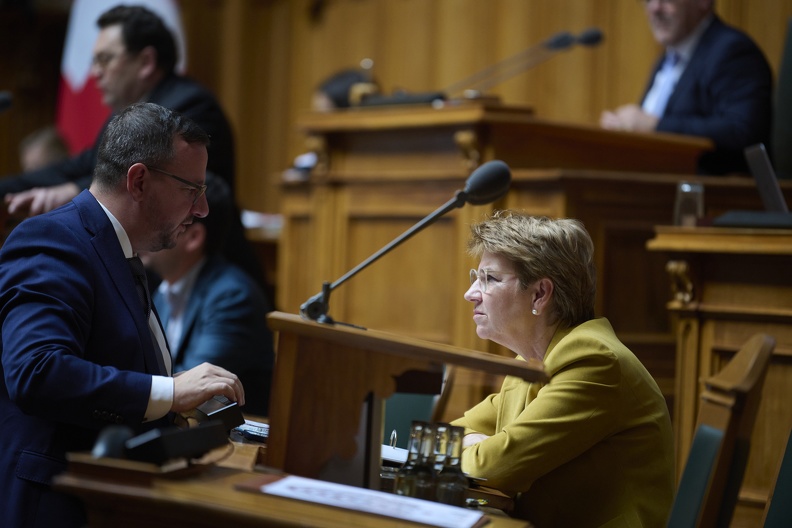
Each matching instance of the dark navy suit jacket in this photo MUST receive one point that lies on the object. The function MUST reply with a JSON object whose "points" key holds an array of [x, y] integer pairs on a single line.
{"points": [[224, 324], [725, 94], [77, 354]]}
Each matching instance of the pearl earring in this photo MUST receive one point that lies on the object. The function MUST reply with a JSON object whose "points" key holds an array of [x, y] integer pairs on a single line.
{"points": [[535, 311]]}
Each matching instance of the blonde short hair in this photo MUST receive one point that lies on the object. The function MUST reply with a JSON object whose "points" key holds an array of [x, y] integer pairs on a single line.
{"points": [[541, 247]]}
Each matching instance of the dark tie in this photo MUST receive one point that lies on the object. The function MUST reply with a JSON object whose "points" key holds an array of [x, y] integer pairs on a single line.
{"points": [[141, 283]]}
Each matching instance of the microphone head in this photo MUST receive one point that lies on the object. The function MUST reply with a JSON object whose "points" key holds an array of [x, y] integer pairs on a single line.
{"points": [[590, 37], [560, 41], [488, 183], [5, 100]]}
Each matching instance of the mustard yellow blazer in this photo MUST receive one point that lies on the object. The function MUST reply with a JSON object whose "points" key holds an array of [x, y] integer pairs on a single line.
{"points": [[592, 447]]}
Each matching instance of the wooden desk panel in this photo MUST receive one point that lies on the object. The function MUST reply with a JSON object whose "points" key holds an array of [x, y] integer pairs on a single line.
{"points": [[332, 370], [727, 285]]}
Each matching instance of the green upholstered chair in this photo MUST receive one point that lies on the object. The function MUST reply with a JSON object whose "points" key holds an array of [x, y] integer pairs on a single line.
{"points": [[778, 512], [707, 492]]}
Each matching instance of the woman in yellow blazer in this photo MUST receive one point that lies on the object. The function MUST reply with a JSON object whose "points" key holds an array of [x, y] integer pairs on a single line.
{"points": [[593, 446]]}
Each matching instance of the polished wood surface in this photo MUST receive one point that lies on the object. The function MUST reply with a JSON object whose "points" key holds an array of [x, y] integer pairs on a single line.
{"points": [[119, 495], [324, 374], [728, 284]]}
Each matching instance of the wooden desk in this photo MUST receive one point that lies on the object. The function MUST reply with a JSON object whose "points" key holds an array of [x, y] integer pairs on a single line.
{"points": [[324, 375], [728, 284], [208, 498]]}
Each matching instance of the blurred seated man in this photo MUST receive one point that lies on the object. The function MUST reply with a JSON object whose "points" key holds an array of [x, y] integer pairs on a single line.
{"points": [[713, 82], [42, 148], [134, 59], [210, 309]]}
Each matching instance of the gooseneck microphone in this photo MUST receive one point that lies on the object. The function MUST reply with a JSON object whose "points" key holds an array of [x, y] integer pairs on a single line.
{"points": [[486, 184], [481, 81], [590, 37], [510, 66], [5, 101], [523, 61]]}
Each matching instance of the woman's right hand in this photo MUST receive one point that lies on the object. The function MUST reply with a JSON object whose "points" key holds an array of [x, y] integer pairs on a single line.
{"points": [[472, 439]]}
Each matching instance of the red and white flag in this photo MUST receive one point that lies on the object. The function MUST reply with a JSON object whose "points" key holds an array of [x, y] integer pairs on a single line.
{"points": [[80, 111]]}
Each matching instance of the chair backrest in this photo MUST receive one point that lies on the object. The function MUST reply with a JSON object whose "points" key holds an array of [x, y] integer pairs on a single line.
{"points": [[404, 407], [710, 483], [778, 511]]}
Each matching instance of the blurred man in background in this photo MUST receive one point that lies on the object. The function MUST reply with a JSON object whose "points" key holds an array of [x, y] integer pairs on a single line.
{"points": [[211, 310], [713, 81], [134, 59]]}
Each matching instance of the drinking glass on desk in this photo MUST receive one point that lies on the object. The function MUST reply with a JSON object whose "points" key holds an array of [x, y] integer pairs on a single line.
{"points": [[689, 204]]}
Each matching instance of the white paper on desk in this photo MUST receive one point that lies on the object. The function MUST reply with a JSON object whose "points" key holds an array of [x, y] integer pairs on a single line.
{"points": [[393, 454], [376, 502]]}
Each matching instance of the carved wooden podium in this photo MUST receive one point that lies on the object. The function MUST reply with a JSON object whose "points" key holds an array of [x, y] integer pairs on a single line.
{"points": [[323, 376]]}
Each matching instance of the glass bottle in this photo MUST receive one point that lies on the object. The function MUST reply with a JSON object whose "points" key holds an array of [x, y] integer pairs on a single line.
{"points": [[405, 478], [451, 481], [440, 445], [425, 474]]}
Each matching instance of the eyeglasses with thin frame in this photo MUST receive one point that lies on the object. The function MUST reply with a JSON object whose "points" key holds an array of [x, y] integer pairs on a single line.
{"points": [[483, 277], [199, 189], [103, 58]]}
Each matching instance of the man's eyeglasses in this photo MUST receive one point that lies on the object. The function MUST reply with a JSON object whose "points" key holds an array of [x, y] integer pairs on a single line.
{"points": [[103, 58], [198, 190]]}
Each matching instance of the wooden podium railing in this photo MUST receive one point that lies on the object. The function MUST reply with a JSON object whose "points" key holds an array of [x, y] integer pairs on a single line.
{"points": [[323, 376]]}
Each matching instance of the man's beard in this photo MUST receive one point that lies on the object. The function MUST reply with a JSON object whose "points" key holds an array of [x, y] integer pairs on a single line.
{"points": [[166, 240]]}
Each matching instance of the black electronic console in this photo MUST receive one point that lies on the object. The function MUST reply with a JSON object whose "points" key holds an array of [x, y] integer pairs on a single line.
{"points": [[776, 213], [160, 445], [755, 219], [219, 408], [402, 98]]}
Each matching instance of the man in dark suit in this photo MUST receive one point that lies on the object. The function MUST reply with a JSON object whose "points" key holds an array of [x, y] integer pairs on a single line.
{"points": [[79, 350], [211, 310], [134, 59], [713, 81]]}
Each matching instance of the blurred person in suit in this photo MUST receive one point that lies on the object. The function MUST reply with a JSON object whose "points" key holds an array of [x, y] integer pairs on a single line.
{"points": [[210, 309], [42, 148], [593, 446], [134, 59], [81, 346], [712, 81]]}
